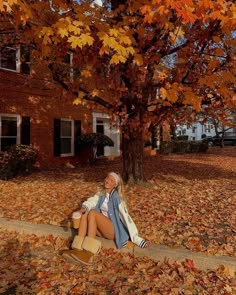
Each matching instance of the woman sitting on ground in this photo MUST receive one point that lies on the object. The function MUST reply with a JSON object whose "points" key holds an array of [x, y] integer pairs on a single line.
{"points": [[104, 215]]}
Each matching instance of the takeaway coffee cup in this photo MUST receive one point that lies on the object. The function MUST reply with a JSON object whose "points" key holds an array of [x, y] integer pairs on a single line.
{"points": [[76, 219]]}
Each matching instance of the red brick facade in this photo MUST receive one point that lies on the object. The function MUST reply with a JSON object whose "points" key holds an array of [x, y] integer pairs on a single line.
{"points": [[42, 101]]}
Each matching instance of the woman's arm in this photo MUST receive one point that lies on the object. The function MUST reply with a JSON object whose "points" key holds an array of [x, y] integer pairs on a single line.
{"points": [[131, 227], [90, 203]]}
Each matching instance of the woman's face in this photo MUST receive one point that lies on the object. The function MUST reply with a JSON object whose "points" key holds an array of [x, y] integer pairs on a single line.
{"points": [[110, 182]]}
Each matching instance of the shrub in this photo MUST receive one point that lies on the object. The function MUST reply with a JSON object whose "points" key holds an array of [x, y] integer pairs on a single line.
{"points": [[18, 159], [182, 137], [203, 147], [182, 146], [7, 166], [147, 143], [177, 146], [166, 147]]}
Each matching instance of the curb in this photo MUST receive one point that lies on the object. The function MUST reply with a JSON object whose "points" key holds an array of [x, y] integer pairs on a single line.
{"points": [[155, 252]]}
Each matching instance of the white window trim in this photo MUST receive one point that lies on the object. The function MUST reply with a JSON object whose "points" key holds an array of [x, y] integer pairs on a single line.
{"points": [[71, 67], [72, 138], [71, 70], [100, 116], [18, 61], [18, 120]]}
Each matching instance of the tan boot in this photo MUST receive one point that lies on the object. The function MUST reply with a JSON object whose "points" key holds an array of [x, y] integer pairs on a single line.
{"points": [[77, 243], [67, 254], [76, 247], [91, 247]]}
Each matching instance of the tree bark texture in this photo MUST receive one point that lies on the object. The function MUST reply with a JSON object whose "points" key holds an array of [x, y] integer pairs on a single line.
{"points": [[132, 153]]}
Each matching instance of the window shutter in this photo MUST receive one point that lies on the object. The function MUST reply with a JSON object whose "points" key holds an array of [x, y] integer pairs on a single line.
{"points": [[25, 130], [57, 137], [77, 131], [25, 60]]}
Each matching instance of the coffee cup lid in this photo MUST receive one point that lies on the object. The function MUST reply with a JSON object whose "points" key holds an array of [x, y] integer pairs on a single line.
{"points": [[76, 215]]}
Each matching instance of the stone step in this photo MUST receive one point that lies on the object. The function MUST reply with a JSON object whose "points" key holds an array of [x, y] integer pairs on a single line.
{"points": [[156, 252]]}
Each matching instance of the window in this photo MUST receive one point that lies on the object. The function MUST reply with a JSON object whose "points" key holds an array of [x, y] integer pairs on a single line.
{"points": [[65, 133], [183, 131], [68, 59], [194, 129], [67, 137], [9, 130], [207, 128], [10, 59]]}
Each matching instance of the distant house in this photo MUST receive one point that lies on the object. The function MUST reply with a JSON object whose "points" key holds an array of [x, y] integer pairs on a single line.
{"points": [[35, 111], [197, 130]]}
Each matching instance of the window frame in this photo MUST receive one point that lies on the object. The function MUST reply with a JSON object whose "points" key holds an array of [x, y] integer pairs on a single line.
{"points": [[71, 70], [71, 154], [18, 122], [17, 61]]}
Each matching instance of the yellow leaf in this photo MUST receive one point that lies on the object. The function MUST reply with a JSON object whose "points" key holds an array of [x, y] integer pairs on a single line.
{"points": [[125, 40], [107, 41], [172, 95], [80, 41], [130, 50], [172, 37], [162, 9], [77, 101], [138, 59], [110, 42], [163, 92], [117, 59], [145, 9], [95, 92], [86, 39], [104, 50], [114, 32], [78, 23], [74, 29], [62, 32], [75, 41], [86, 73], [121, 50]]}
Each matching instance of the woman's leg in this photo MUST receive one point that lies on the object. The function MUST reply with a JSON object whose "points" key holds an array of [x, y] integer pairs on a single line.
{"points": [[98, 223], [82, 231]]}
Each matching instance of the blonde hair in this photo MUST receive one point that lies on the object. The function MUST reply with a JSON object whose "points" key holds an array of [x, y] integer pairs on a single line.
{"points": [[119, 187]]}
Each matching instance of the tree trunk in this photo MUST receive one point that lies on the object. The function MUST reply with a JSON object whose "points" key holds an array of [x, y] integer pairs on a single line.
{"points": [[132, 153]]}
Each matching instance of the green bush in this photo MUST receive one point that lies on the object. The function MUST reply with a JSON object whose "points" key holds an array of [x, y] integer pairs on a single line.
{"points": [[147, 143], [166, 147], [18, 159], [7, 166], [182, 137], [203, 147], [182, 146], [177, 146]]}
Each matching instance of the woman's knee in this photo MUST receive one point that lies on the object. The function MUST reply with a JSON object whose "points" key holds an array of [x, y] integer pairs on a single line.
{"points": [[84, 216], [92, 214]]}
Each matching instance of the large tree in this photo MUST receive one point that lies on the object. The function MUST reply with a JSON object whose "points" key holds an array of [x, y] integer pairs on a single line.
{"points": [[142, 61]]}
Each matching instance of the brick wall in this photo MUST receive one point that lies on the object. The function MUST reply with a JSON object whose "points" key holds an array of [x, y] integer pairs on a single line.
{"points": [[42, 101]]}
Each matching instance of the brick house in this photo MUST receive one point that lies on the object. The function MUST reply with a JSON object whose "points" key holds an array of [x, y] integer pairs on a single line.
{"points": [[34, 110]]}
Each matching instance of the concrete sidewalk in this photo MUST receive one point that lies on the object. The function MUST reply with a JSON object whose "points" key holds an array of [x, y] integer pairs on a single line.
{"points": [[156, 252]]}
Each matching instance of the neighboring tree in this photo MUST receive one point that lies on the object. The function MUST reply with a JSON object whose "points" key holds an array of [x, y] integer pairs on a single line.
{"points": [[222, 119], [142, 61]]}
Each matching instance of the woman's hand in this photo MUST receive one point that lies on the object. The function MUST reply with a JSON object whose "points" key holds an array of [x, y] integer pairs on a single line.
{"points": [[82, 211]]}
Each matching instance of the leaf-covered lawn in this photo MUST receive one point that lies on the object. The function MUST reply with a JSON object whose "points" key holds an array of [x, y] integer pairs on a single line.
{"points": [[32, 265], [189, 200]]}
